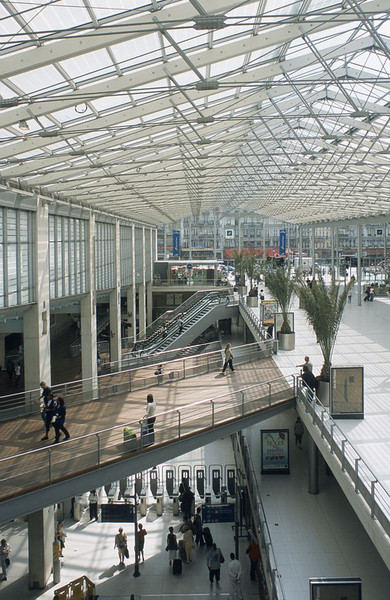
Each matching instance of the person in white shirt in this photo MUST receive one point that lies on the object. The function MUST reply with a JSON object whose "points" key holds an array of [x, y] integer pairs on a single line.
{"points": [[307, 364], [151, 408], [93, 505], [234, 573]]}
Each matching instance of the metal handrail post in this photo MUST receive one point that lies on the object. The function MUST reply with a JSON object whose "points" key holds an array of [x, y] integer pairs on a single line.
{"points": [[98, 450], [269, 394], [343, 442], [50, 466], [212, 413], [179, 423], [357, 474], [322, 424], [243, 403], [373, 498], [332, 425]]}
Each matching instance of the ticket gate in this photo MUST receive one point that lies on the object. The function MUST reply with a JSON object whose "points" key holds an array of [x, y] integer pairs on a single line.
{"points": [[153, 482], [231, 482], [138, 483], [200, 477], [216, 479], [185, 475], [169, 481]]}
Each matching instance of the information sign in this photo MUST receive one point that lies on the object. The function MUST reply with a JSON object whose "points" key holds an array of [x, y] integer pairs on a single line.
{"points": [[189, 266], [275, 451], [117, 513], [218, 513], [176, 242]]}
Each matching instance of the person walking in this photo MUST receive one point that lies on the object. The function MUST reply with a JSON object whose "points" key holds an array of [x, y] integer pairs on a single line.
{"points": [[48, 410], [10, 369], [18, 374], [371, 294], [188, 540], [180, 323], [141, 541], [208, 538], [61, 535], [253, 552], [93, 505], [307, 363], [298, 432], [151, 408], [199, 541], [214, 560], [228, 358], [172, 545], [5, 551], [234, 573], [121, 544], [59, 422], [367, 292], [186, 502]]}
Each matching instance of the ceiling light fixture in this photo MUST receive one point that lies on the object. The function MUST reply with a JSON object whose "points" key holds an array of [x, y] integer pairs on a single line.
{"points": [[23, 125], [209, 22]]}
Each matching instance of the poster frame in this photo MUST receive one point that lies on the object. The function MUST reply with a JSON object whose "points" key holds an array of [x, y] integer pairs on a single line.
{"points": [[265, 467], [335, 584], [336, 373], [268, 309], [278, 321]]}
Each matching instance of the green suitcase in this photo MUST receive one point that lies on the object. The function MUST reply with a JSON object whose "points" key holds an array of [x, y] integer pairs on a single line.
{"points": [[130, 439]]}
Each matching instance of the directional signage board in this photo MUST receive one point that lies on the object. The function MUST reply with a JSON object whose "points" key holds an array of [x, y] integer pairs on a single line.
{"points": [[117, 513], [218, 513]]}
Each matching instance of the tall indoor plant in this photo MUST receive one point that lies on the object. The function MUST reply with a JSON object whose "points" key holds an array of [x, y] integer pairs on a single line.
{"points": [[239, 265], [281, 286], [324, 306], [252, 269]]}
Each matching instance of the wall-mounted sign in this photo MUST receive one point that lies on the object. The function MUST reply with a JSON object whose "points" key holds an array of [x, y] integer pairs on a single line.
{"points": [[268, 308], [117, 513], [282, 242], [346, 399], [176, 243], [229, 234], [275, 456], [330, 588], [218, 513]]}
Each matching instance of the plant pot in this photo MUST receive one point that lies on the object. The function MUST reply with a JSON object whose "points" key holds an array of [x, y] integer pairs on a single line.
{"points": [[286, 340], [323, 392], [252, 301]]}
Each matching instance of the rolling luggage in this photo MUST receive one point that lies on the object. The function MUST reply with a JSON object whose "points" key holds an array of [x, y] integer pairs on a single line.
{"points": [[177, 566], [147, 437], [130, 439], [182, 552]]}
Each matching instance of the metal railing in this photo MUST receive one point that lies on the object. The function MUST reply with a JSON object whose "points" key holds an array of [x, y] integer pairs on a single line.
{"points": [[75, 347], [40, 468], [255, 321], [366, 483], [121, 382], [269, 560]]}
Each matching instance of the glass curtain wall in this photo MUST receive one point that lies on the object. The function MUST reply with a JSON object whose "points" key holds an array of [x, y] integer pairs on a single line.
{"points": [[68, 256]]}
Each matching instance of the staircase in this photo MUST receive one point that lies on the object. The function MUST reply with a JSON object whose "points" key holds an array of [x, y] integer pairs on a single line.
{"points": [[198, 313]]}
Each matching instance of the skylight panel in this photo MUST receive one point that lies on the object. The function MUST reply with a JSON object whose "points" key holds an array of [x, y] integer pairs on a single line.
{"points": [[54, 16], [226, 66], [37, 79], [69, 114], [138, 50], [107, 8], [87, 65], [110, 103]]}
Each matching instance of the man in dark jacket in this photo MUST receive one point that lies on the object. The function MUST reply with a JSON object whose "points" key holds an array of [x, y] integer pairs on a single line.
{"points": [[310, 380]]}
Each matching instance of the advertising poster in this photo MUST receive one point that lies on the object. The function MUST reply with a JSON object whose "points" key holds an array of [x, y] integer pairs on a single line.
{"points": [[346, 392], [282, 242], [278, 322], [330, 588], [176, 243], [275, 451], [268, 308]]}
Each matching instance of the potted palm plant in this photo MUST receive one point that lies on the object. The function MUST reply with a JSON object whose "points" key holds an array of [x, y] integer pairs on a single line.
{"points": [[239, 265], [281, 286], [324, 306], [251, 269]]}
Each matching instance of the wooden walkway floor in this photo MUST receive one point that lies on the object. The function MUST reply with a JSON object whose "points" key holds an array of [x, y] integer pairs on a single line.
{"points": [[23, 435]]}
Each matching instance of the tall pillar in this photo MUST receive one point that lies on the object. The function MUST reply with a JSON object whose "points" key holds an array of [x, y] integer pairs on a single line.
{"points": [[2, 349], [385, 244], [149, 302], [142, 294], [40, 547], [215, 237], [36, 321], [264, 244], [300, 247], [115, 303], [88, 318], [190, 238], [288, 244], [359, 264], [313, 466], [313, 250], [131, 312], [337, 256], [165, 243], [331, 230]]}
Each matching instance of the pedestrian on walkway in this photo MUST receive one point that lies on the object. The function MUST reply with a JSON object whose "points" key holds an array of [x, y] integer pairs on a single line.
{"points": [[151, 408], [61, 535], [253, 552], [214, 560], [59, 422], [198, 527], [186, 502], [208, 538], [93, 505], [141, 541], [180, 323], [298, 432], [172, 545], [188, 540], [234, 573], [48, 411], [18, 374], [5, 551], [228, 358], [121, 544], [307, 364]]}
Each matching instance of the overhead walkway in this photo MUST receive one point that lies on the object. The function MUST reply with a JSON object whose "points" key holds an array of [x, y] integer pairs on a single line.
{"points": [[190, 413]]}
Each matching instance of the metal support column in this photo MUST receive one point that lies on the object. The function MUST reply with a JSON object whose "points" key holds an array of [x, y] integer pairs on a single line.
{"points": [[359, 263], [331, 231], [300, 246], [313, 250], [313, 466], [165, 242], [264, 249], [337, 274], [215, 237]]}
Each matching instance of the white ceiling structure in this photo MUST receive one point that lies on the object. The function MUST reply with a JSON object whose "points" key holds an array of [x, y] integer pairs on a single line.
{"points": [[158, 110]]}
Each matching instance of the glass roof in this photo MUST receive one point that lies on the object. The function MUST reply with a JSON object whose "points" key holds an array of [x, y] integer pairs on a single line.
{"points": [[157, 110]]}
